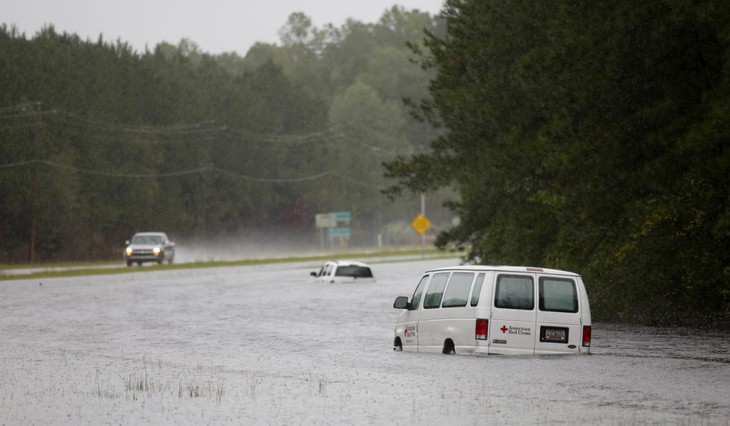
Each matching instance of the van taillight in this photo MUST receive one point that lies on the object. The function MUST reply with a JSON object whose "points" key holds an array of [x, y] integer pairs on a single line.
{"points": [[480, 332], [587, 336]]}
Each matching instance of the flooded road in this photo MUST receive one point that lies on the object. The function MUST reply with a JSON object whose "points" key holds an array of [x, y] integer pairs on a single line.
{"points": [[266, 345]]}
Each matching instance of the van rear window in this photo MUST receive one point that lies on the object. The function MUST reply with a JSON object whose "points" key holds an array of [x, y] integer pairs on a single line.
{"points": [[515, 292], [558, 295], [457, 291]]}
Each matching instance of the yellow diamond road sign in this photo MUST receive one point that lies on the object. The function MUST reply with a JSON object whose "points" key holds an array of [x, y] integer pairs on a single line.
{"points": [[421, 224]]}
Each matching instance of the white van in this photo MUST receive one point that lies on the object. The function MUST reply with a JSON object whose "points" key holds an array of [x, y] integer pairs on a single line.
{"points": [[495, 310]]}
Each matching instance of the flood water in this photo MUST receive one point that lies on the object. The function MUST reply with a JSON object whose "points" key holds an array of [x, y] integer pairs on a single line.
{"points": [[266, 345]]}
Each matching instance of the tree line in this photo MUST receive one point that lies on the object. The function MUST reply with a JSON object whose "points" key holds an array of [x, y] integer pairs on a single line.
{"points": [[98, 141], [588, 136]]}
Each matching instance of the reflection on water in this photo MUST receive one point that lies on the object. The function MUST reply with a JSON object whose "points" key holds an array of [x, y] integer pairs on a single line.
{"points": [[680, 373], [635, 375], [649, 342]]}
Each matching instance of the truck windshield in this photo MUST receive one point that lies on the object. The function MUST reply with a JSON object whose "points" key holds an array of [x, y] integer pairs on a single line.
{"points": [[146, 239]]}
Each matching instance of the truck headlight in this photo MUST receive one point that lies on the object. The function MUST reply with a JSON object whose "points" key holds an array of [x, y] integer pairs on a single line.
{"points": [[156, 251], [128, 250]]}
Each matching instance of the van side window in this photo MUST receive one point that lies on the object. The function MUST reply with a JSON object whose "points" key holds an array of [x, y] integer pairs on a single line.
{"points": [[457, 292], [435, 290], [558, 295], [416, 300], [515, 292], [477, 290]]}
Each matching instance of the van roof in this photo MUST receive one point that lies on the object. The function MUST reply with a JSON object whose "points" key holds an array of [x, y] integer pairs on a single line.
{"points": [[504, 268]]}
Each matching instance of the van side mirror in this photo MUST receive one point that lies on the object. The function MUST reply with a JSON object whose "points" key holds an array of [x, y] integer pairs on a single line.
{"points": [[314, 274], [126, 243], [401, 302]]}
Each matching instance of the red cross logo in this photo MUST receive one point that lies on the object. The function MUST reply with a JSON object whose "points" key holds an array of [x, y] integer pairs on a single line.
{"points": [[504, 329]]}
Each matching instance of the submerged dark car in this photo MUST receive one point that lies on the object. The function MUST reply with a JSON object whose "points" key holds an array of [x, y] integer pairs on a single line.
{"points": [[149, 247]]}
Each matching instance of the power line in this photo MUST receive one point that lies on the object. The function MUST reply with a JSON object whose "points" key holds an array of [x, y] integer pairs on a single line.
{"points": [[180, 129], [273, 180], [206, 132], [322, 136], [20, 107], [17, 164], [194, 129], [198, 170]]}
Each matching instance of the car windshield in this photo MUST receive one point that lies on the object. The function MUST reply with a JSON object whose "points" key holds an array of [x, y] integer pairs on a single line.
{"points": [[147, 239], [354, 271]]}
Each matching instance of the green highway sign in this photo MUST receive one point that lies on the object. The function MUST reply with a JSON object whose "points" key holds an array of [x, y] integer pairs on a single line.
{"points": [[339, 232]]}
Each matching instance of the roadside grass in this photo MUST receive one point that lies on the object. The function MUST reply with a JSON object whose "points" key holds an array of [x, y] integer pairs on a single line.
{"points": [[156, 381], [73, 269], [48, 265], [147, 383]]}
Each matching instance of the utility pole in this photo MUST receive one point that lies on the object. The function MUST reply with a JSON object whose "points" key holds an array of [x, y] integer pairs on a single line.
{"points": [[378, 219], [33, 195], [423, 212]]}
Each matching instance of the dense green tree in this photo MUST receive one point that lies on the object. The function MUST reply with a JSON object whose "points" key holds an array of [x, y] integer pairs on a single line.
{"points": [[585, 136]]}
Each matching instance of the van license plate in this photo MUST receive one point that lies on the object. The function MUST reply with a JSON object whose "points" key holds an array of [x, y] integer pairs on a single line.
{"points": [[554, 334]]}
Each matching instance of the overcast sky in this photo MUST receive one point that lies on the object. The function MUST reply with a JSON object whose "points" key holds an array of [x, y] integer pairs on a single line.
{"points": [[216, 26]]}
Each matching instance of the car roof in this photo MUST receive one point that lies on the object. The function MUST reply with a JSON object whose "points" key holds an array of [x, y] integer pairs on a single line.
{"points": [[504, 268], [144, 234]]}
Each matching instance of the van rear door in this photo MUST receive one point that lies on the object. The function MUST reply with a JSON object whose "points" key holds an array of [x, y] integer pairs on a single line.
{"points": [[512, 326], [558, 315]]}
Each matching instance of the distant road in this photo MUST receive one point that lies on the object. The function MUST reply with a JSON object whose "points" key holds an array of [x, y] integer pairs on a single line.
{"points": [[366, 257]]}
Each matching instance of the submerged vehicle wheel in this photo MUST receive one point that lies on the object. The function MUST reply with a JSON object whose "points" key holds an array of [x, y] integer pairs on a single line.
{"points": [[397, 345], [449, 347]]}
